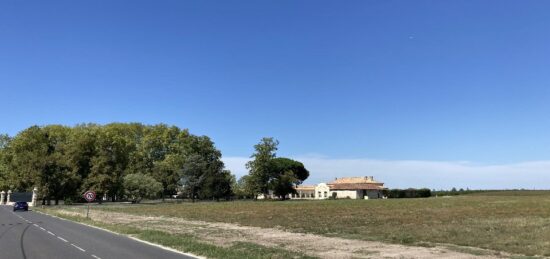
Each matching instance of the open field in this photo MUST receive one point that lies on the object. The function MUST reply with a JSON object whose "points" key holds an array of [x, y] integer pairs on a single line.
{"points": [[512, 222]]}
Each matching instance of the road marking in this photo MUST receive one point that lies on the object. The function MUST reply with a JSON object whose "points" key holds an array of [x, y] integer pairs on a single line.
{"points": [[51, 233], [79, 248], [42, 228], [62, 239], [96, 257], [35, 225]]}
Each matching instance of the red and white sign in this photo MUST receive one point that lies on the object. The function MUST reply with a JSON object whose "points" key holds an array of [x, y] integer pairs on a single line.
{"points": [[89, 196]]}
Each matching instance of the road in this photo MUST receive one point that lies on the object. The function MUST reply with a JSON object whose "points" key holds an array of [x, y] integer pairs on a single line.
{"points": [[30, 235]]}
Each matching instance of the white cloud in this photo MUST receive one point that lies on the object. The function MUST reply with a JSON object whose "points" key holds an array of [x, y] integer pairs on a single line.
{"points": [[413, 173]]}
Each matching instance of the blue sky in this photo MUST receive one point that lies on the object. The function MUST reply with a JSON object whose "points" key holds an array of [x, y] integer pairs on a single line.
{"points": [[389, 81]]}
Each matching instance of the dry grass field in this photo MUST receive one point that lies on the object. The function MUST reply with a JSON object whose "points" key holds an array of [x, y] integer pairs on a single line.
{"points": [[512, 222]]}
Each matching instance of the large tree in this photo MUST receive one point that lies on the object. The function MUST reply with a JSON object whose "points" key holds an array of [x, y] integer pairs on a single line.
{"points": [[203, 173], [4, 142], [260, 167], [285, 175], [164, 150], [38, 159], [269, 173], [114, 147]]}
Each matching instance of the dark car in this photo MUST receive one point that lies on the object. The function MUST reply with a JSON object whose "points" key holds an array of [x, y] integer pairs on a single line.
{"points": [[21, 205]]}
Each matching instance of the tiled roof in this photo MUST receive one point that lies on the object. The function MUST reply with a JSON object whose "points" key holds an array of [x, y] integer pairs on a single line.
{"points": [[354, 180], [305, 187], [356, 186]]}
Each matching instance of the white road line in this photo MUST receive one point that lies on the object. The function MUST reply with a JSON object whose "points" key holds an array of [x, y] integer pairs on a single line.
{"points": [[51, 233], [42, 228], [96, 257], [77, 247], [35, 225], [62, 239]]}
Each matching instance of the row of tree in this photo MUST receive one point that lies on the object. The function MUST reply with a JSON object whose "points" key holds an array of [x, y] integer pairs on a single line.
{"points": [[64, 161], [133, 161]]}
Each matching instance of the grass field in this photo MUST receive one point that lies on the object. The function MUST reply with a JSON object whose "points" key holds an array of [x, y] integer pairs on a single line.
{"points": [[514, 222]]}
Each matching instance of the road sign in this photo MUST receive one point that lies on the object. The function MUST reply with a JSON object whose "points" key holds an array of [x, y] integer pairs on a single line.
{"points": [[89, 196]]}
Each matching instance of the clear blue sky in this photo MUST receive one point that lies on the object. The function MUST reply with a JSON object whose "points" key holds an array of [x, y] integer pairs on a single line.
{"points": [[388, 80]]}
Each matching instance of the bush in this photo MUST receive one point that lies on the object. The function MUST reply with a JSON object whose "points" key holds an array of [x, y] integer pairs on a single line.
{"points": [[140, 186], [409, 193], [68, 201]]}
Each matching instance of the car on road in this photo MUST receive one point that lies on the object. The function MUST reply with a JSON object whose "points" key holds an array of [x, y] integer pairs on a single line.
{"points": [[21, 205]]}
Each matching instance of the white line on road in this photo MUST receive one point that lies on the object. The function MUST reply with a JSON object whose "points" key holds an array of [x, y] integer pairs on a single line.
{"points": [[79, 248], [96, 257], [35, 225], [42, 228], [62, 239], [51, 233]]}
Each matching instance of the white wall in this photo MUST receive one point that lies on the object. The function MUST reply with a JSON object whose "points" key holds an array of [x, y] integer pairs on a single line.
{"points": [[322, 191], [346, 194]]}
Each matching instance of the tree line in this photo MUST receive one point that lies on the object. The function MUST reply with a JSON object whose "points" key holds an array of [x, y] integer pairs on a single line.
{"points": [[132, 161], [62, 162]]}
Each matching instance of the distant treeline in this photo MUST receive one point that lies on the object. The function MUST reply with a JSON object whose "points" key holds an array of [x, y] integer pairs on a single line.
{"points": [[409, 193], [461, 191]]}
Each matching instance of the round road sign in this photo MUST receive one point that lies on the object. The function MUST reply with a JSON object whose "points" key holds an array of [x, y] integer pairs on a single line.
{"points": [[89, 196]]}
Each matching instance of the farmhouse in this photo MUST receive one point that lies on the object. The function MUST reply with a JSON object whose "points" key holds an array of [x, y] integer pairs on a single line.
{"points": [[357, 188], [342, 188]]}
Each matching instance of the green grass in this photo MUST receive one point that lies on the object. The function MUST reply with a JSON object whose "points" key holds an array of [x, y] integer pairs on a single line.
{"points": [[189, 243], [516, 222]]}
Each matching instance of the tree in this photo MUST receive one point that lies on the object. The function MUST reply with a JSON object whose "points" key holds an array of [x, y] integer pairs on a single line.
{"points": [[114, 148], [244, 188], [193, 174], [81, 150], [65, 161], [259, 167], [37, 158], [140, 186], [164, 151], [285, 175], [58, 180], [4, 142], [217, 185]]}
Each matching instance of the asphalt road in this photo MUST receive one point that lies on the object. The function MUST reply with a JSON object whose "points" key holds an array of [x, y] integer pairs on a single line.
{"points": [[29, 235]]}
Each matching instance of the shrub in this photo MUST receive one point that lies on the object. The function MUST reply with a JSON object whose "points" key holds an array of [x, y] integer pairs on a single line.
{"points": [[409, 193], [140, 186]]}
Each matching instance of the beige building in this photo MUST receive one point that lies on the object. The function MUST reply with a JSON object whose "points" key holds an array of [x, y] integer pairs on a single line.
{"points": [[357, 188], [342, 188]]}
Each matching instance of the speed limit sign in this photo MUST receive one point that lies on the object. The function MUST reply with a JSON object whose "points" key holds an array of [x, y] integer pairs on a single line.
{"points": [[89, 196]]}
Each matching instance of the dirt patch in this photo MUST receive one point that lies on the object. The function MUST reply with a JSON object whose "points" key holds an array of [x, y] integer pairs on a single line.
{"points": [[225, 234]]}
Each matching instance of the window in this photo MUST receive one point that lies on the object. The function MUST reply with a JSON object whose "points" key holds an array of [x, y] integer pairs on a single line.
{"points": [[326, 195]]}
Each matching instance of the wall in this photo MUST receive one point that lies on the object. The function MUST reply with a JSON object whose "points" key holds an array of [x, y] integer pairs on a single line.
{"points": [[345, 194], [320, 191]]}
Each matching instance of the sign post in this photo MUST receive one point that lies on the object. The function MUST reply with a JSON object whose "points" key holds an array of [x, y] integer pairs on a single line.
{"points": [[89, 196]]}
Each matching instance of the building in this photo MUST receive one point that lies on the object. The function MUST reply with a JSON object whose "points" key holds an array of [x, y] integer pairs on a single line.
{"points": [[304, 192], [364, 187], [342, 188], [356, 188]]}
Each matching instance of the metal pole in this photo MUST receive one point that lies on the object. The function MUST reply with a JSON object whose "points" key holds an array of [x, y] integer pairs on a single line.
{"points": [[88, 212]]}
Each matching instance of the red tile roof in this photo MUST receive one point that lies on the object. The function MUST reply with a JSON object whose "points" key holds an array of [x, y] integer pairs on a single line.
{"points": [[356, 186]]}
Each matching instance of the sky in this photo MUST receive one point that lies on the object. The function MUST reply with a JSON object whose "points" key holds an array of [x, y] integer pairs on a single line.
{"points": [[435, 94]]}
